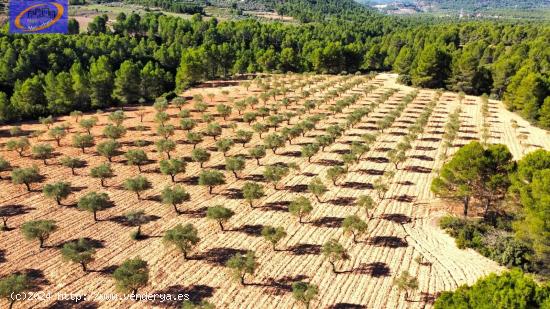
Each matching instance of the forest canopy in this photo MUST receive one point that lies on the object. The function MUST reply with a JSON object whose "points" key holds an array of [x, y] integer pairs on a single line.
{"points": [[43, 75]]}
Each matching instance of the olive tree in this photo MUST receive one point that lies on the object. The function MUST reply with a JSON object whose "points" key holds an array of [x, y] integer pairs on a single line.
{"points": [[179, 102], [76, 115], [219, 214], [26, 176], [174, 196], [210, 179], [94, 202], [355, 226], [14, 284], [396, 157], [274, 173], [165, 146], [200, 106], [224, 145], [309, 151], [224, 110], [214, 130], [83, 141], [366, 202], [136, 218], [57, 191], [42, 152], [114, 132], [46, 121], [136, 157], [88, 124], [131, 275], [72, 163], [187, 124], [172, 167], [194, 138], [200, 155], [137, 185], [406, 282], [300, 207], [102, 171], [273, 235], [252, 191], [241, 265], [257, 153], [324, 140], [334, 252], [317, 188], [243, 137], [57, 133], [274, 141], [259, 128], [359, 149], [4, 165], [117, 117], [235, 164], [184, 238], [80, 251], [38, 230], [108, 149], [19, 145], [166, 130], [380, 187], [335, 173], [304, 292]]}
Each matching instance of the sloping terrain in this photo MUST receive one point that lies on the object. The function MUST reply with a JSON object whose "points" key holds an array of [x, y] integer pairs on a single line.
{"points": [[402, 227]]}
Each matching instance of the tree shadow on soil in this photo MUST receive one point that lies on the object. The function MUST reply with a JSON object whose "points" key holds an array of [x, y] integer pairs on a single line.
{"points": [[329, 222], [397, 218], [95, 243], [299, 188], [404, 198], [343, 201], [13, 210], [377, 159], [218, 256], [233, 194], [357, 185], [388, 241], [196, 294], [418, 169], [305, 249], [328, 162], [250, 230], [347, 306], [276, 206], [194, 213], [422, 157], [281, 286], [370, 171], [255, 178], [122, 220]]}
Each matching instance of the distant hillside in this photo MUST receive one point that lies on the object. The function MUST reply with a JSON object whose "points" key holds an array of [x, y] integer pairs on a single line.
{"points": [[529, 9], [477, 5], [314, 10]]}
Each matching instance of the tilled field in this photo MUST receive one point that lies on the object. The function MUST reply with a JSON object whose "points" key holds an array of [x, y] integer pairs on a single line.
{"points": [[403, 225]]}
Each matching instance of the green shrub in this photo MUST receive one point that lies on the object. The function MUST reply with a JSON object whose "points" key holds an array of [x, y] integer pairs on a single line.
{"points": [[496, 243]]}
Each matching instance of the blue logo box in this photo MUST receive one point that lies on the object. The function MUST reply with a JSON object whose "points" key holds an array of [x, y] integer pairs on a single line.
{"points": [[35, 16]]}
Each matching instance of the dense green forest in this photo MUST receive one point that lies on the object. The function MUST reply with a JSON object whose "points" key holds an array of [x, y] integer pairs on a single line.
{"points": [[515, 197], [510, 61], [509, 290]]}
